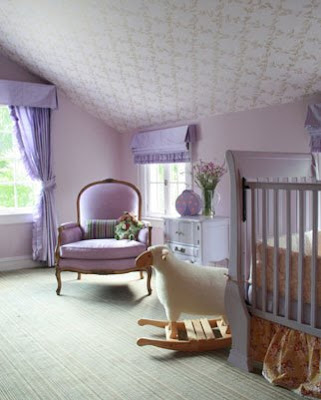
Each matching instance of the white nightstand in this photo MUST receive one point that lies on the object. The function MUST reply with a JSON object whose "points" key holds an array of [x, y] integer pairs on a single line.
{"points": [[198, 239]]}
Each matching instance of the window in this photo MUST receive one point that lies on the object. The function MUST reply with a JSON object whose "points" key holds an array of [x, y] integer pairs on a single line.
{"points": [[162, 183], [17, 191]]}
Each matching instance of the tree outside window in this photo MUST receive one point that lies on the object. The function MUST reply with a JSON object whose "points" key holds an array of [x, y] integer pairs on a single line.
{"points": [[17, 191]]}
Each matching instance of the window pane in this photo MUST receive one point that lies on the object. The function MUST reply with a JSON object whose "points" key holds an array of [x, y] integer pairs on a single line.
{"points": [[5, 142], [181, 172], [156, 172], [21, 174], [6, 122], [161, 172], [6, 196], [6, 171], [152, 172], [156, 198], [25, 196], [173, 172], [173, 194], [177, 172]]}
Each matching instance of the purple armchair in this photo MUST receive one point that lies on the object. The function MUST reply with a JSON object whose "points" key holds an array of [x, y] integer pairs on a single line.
{"points": [[107, 200]]}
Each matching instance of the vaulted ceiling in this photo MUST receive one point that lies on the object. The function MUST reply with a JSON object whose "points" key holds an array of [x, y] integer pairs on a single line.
{"points": [[142, 63]]}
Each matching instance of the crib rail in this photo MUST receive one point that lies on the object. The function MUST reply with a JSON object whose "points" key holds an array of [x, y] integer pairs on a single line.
{"points": [[281, 224]]}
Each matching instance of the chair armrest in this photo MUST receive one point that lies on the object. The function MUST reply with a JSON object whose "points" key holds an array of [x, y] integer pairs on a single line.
{"points": [[145, 234], [69, 232], [68, 225]]}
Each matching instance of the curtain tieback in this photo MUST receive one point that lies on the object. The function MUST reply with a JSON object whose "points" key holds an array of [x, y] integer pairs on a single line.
{"points": [[50, 184]]}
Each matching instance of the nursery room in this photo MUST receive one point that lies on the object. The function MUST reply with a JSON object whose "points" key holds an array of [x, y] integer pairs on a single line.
{"points": [[159, 199]]}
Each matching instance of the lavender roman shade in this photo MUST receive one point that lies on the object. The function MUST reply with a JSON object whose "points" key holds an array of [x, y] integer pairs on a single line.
{"points": [[313, 126], [28, 94], [164, 146]]}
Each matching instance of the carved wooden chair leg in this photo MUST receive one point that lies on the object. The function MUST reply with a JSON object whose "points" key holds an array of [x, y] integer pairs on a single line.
{"points": [[149, 277], [58, 276], [79, 276], [141, 274]]}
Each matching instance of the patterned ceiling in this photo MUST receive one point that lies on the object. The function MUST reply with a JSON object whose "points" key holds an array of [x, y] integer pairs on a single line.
{"points": [[142, 63]]}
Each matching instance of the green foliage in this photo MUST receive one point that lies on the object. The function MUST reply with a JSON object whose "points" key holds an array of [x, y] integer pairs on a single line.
{"points": [[25, 196], [6, 196], [6, 171], [5, 143], [6, 122], [160, 172], [12, 169]]}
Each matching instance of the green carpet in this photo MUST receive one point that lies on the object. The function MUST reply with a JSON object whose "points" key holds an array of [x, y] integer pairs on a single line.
{"points": [[82, 345]]}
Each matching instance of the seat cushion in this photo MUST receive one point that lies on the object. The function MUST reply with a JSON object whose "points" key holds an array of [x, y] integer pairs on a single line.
{"points": [[102, 249]]}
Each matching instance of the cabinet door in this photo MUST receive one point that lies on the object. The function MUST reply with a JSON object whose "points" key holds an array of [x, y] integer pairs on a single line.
{"points": [[170, 230], [186, 232]]}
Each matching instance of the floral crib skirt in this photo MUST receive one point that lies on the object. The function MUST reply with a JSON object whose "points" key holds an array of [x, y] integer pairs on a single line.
{"points": [[290, 358]]}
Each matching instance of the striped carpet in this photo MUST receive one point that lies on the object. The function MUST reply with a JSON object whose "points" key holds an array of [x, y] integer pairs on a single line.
{"points": [[81, 345]]}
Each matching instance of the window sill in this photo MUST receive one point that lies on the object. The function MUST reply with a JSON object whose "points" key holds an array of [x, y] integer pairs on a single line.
{"points": [[156, 222], [16, 218]]}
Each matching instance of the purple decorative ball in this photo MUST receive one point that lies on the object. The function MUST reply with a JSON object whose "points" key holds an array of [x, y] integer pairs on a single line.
{"points": [[188, 203]]}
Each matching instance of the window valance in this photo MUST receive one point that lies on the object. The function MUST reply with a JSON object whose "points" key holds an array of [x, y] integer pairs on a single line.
{"points": [[164, 146], [15, 93], [313, 126]]}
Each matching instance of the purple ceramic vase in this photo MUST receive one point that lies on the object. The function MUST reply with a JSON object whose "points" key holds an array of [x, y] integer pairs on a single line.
{"points": [[188, 203]]}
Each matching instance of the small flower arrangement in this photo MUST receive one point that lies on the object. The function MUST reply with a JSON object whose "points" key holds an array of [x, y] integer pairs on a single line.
{"points": [[207, 175]]}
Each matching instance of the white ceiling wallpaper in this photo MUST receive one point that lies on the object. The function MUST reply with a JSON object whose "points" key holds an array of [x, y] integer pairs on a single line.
{"points": [[141, 63]]}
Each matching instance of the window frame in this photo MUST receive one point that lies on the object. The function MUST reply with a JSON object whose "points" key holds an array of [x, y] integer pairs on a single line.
{"points": [[12, 215], [143, 176]]}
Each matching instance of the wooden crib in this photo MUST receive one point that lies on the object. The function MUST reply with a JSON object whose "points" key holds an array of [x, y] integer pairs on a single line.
{"points": [[274, 263]]}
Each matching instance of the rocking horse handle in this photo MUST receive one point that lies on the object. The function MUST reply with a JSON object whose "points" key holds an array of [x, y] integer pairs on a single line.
{"points": [[153, 322], [183, 345]]}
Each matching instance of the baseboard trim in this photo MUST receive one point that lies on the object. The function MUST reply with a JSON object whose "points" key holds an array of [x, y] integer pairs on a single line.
{"points": [[20, 262]]}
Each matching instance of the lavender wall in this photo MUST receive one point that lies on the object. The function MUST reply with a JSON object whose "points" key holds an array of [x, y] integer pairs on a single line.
{"points": [[276, 128], [84, 149]]}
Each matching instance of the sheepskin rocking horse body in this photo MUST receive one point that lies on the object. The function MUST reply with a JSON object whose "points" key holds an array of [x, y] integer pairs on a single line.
{"points": [[187, 288]]}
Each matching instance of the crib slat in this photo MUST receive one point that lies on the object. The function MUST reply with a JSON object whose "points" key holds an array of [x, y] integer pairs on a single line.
{"points": [[288, 254], [264, 240], [314, 256], [301, 210], [253, 245], [276, 251]]}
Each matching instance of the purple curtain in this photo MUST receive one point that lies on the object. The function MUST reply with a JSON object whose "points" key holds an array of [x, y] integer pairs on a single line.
{"points": [[313, 126], [32, 130]]}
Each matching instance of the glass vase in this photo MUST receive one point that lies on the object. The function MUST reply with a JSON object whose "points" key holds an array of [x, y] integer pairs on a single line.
{"points": [[207, 201]]}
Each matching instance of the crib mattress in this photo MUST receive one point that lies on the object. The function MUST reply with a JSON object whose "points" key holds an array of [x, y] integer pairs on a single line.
{"points": [[294, 268]]}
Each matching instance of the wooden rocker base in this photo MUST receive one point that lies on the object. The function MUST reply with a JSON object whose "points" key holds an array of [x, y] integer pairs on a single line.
{"points": [[193, 335]]}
